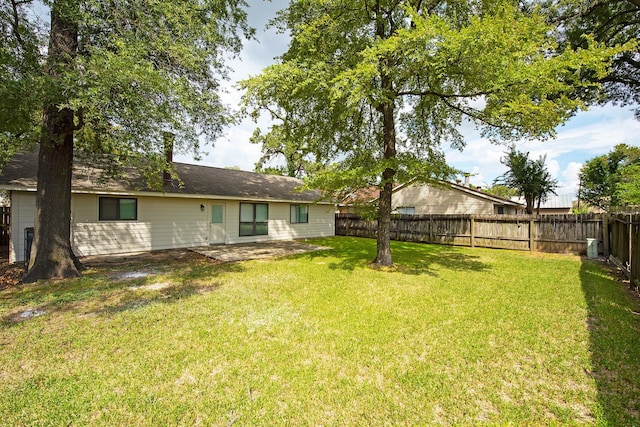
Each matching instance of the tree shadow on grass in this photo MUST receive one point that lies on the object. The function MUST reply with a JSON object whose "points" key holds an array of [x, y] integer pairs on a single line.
{"points": [[110, 290], [614, 339], [409, 258]]}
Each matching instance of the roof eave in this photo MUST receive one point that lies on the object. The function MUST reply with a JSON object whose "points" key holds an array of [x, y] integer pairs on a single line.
{"points": [[168, 195], [486, 195]]}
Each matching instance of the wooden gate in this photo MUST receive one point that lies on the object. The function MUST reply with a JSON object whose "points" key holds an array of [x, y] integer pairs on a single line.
{"points": [[624, 232]]}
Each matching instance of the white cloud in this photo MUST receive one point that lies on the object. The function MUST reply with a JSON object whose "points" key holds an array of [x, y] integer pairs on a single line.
{"points": [[585, 136], [568, 180], [553, 167]]}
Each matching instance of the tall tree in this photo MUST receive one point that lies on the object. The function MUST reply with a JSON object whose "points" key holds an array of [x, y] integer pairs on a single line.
{"points": [[628, 189], [377, 86], [116, 77], [612, 22], [530, 178], [20, 88], [612, 180]]}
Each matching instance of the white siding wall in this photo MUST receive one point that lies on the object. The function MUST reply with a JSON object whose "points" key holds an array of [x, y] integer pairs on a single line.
{"points": [[321, 223], [432, 200], [23, 207], [163, 223], [508, 210]]}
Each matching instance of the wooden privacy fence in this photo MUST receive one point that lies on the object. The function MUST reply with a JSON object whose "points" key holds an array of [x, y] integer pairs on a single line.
{"points": [[5, 217], [546, 233], [624, 237]]}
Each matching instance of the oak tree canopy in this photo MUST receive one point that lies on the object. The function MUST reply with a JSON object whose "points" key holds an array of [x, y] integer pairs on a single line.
{"points": [[369, 91]]}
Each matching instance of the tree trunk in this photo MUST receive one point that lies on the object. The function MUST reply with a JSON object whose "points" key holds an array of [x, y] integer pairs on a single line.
{"points": [[387, 109], [383, 256], [529, 202], [51, 253]]}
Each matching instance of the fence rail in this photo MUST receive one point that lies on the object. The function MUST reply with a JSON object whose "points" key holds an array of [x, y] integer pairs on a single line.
{"points": [[5, 218], [547, 233]]}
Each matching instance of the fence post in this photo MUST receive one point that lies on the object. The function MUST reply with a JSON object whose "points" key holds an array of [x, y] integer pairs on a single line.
{"points": [[630, 238], [605, 234], [472, 226], [634, 256], [532, 237]]}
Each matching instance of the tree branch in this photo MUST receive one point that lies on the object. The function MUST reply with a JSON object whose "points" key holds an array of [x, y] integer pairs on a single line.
{"points": [[442, 95], [15, 24], [612, 23], [472, 114]]}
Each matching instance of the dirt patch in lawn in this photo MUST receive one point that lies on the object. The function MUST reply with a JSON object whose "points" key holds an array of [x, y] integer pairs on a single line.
{"points": [[150, 258], [247, 251], [10, 274], [148, 263]]}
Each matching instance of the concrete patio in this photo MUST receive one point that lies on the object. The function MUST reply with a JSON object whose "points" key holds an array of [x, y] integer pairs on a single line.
{"points": [[221, 253], [246, 251]]}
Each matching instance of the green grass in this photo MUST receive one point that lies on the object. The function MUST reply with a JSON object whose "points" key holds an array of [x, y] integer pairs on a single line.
{"points": [[449, 336]]}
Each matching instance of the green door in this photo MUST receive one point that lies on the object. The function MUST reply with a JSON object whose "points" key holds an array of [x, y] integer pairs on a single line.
{"points": [[217, 226]]}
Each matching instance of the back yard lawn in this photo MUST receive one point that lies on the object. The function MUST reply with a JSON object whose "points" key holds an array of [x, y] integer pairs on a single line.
{"points": [[449, 336]]}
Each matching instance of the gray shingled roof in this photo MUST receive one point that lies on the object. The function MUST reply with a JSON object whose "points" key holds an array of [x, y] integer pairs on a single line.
{"points": [[21, 172]]}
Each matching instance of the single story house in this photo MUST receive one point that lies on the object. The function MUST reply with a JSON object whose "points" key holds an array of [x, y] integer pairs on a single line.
{"points": [[210, 206], [450, 199]]}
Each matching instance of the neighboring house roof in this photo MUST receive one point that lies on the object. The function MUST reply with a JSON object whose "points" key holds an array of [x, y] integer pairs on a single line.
{"points": [[470, 191], [197, 181], [362, 196], [371, 194], [563, 201]]}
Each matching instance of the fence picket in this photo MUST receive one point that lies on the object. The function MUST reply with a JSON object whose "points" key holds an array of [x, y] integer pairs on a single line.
{"points": [[548, 233], [617, 235], [624, 231]]}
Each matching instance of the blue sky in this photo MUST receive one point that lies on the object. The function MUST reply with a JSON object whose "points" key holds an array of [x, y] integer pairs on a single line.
{"points": [[585, 136]]}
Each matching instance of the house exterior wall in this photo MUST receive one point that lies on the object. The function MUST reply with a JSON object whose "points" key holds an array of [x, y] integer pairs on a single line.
{"points": [[23, 207], [506, 210], [162, 223], [554, 211], [436, 200], [321, 223]]}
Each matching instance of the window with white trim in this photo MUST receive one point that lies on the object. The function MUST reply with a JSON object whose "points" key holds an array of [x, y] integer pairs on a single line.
{"points": [[117, 209], [299, 214], [254, 219], [407, 210]]}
